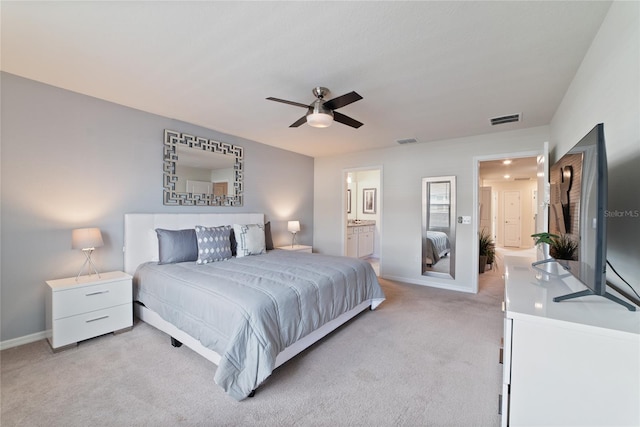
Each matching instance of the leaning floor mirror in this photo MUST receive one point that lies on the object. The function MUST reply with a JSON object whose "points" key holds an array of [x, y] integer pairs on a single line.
{"points": [[439, 226]]}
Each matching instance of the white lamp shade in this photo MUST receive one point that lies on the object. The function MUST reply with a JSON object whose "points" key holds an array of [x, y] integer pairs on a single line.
{"points": [[319, 120], [293, 226], [86, 238]]}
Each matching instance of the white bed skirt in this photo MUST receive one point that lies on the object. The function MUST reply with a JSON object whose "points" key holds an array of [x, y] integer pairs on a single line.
{"points": [[153, 319]]}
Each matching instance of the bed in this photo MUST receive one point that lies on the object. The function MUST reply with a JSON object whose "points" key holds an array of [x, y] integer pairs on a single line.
{"points": [[436, 246], [248, 314]]}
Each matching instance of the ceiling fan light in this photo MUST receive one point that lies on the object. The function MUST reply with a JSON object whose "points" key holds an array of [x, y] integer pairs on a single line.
{"points": [[319, 120]]}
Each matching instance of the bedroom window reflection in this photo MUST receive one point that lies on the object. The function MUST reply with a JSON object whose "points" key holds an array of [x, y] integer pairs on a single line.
{"points": [[439, 206], [438, 226]]}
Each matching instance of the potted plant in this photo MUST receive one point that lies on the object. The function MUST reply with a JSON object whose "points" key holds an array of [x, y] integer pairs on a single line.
{"points": [[563, 247], [486, 250], [545, 240]]}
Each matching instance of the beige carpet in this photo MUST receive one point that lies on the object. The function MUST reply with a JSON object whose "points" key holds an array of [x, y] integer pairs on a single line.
{"points": [[426, 357]]}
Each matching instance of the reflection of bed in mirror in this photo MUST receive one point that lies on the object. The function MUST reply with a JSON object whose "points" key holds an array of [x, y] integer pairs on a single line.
{"points": [[436, 246]]}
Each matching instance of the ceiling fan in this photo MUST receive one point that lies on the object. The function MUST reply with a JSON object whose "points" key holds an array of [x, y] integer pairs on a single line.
{"points": [[321, 113]]}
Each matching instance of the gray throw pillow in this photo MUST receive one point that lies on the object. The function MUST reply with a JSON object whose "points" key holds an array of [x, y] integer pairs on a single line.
{"points": [[176, 246], [268, 240], [214, 243]]}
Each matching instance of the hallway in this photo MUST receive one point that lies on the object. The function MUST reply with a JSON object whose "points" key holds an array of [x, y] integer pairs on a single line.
{"points": [[493, 277]]}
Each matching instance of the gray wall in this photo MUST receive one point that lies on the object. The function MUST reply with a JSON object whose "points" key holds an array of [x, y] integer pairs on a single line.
{"points": [[72, 161], [606, 89], [403, 168]]}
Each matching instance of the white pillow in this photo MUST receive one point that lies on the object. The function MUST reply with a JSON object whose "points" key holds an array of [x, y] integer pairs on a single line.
{"points": [[250, 239]]}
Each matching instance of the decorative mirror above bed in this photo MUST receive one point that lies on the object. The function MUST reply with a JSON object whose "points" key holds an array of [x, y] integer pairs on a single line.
{"points": [[200, 171], [439, 226]]}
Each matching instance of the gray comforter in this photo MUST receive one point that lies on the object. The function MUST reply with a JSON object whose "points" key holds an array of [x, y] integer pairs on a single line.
{"points": [[436, 246], [249, 309]]}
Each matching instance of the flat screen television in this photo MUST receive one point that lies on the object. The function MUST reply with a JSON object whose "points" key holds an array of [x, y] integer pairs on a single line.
{"points": [[577, 212]]}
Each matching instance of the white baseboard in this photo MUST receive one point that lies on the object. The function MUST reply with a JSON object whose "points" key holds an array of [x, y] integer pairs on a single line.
{"points": [[430, 283], [23, 340]]}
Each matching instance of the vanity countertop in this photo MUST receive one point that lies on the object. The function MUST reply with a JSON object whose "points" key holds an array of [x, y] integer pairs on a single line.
{"points": [[360, 222]]}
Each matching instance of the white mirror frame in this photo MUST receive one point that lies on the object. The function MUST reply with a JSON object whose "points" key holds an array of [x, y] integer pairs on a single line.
{"points": [[172, 140]]}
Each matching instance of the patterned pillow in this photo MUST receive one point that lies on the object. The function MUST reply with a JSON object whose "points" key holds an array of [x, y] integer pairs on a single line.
{"points": [[250, 239], [214, 243]]}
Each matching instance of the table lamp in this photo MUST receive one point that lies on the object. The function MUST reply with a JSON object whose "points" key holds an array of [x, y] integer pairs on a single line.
{"points": [[87, 239], [293, 227]]}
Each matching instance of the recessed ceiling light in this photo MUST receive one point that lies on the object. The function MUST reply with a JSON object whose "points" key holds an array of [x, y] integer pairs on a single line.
{"points": [[507, 176], [506, 162]]}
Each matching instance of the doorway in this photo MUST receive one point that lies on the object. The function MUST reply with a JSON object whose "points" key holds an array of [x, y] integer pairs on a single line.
{"points": [[507, 204], [506, 196], [363, 214]]}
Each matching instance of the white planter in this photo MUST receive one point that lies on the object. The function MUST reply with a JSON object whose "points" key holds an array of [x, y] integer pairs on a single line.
{"points": [[543, 251]]}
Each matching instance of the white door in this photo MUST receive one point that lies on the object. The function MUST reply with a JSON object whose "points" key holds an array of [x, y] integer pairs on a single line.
{"points": [[512, 218], [198, 187]]}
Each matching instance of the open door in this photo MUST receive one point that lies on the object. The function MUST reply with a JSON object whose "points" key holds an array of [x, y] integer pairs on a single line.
{"points": [[486, 211], [543, 193]]}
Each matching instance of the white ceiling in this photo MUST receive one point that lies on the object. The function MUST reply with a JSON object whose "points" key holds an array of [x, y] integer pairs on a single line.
{"points": [[427, 70], [525, 168]]}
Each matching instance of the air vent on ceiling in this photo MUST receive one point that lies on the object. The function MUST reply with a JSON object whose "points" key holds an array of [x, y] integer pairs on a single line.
{"points": [[506, 119], [407, 141], [522, 179]]}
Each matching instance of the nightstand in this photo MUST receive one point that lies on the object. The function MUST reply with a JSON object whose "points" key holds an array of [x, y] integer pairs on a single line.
{"points": [[297, 248], [80, 309]]}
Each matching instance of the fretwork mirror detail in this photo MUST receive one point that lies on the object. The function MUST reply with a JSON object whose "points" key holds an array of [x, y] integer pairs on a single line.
{"points": [[201, 172]]}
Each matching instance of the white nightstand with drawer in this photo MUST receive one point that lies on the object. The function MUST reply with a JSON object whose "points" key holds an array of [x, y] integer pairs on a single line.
{"points": [[80, 309], [297, 248]]}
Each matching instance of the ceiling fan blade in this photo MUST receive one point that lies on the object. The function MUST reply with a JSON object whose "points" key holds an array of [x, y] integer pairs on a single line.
{"points": [[302, 120], [346, 120], [343, 100], [284, 101]]}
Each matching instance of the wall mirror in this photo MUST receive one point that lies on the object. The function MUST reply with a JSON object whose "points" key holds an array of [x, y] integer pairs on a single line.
{"points": [[201, 172], [439, 226]]}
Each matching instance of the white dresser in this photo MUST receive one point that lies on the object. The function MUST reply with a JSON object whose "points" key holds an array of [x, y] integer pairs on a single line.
{"points": [[91, 306], [571, 363]]}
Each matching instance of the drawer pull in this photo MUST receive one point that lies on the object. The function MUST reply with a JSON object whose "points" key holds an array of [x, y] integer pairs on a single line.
{"points": [[97, 318], [97, 293]]}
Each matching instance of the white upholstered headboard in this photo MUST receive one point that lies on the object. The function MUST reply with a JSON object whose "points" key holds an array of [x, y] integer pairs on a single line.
{"points": [[141, 242]]}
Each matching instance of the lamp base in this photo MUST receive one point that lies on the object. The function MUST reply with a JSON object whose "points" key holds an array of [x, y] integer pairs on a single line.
{"points": [[293, 240], [87, 253]]}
